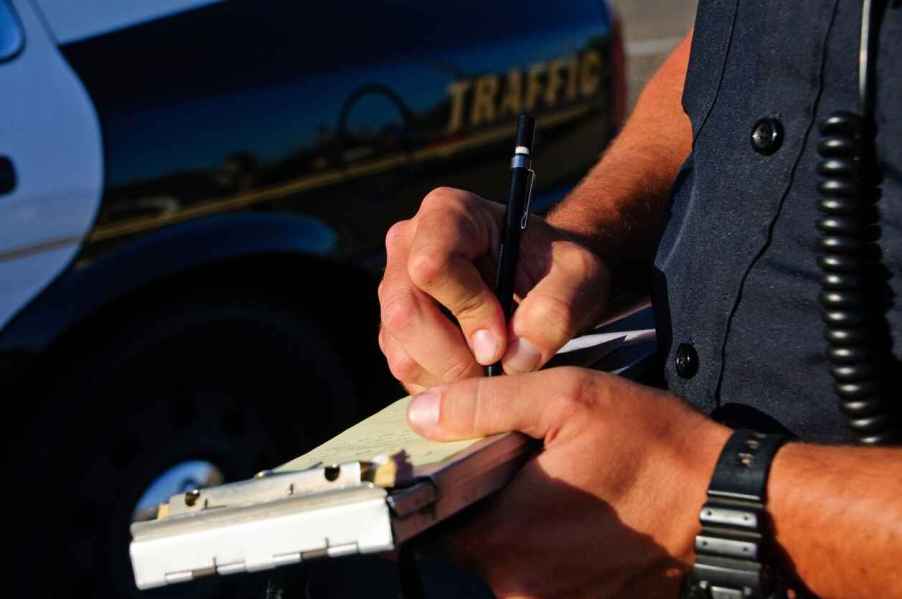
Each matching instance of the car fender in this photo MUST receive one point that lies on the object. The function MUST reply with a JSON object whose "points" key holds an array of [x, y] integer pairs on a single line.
{"points": [[89, 285]]}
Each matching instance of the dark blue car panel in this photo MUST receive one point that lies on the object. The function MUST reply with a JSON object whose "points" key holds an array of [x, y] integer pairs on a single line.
{"points": [[348, 112]]}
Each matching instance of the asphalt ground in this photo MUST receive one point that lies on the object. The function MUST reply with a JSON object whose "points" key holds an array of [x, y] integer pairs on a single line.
{"points": [[651, 28]]}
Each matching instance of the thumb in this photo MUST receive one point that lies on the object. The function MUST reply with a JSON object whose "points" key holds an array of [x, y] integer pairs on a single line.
{"points": [[533, 403]]}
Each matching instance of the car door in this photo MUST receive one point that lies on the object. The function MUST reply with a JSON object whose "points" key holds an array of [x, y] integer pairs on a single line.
{"points": [[50, 158]]}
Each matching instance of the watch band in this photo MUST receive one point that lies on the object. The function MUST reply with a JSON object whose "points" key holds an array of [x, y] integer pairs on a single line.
{"points": [[731, 549]]}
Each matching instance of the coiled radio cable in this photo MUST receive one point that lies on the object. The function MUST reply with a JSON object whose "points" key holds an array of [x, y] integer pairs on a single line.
{"points": [[855, 293], [853, 282]]}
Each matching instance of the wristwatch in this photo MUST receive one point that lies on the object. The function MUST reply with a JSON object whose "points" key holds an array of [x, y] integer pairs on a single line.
{"points": [[732, 549]]}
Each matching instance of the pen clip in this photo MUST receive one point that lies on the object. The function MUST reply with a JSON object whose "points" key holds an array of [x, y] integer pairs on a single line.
{"points": [[525, 218]]}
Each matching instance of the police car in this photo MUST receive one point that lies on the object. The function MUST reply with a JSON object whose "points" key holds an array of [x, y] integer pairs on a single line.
{"points": [[193, 200]]}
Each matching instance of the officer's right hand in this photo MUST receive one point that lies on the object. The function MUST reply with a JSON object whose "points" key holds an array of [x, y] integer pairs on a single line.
{"points": [[444, 256]]}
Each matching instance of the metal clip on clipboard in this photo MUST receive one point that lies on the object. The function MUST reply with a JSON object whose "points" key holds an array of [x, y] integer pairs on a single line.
{"points": [[285, 518]]}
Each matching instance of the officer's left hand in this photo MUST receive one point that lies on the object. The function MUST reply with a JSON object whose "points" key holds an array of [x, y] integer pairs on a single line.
{"points": [[608, 507]]}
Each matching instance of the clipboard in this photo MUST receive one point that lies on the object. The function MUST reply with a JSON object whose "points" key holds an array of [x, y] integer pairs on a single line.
{"points": [[358, 493], [289, 516]]}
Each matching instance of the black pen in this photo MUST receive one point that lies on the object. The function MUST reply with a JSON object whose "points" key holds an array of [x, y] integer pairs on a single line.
{"points": [[516, 216]]}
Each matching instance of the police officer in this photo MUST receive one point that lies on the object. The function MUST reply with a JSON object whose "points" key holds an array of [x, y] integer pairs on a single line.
{"points": [[716, 170]]}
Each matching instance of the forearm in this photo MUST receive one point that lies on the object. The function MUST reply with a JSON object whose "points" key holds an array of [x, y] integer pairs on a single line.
{"points": [[618, 209], [837, 515]]}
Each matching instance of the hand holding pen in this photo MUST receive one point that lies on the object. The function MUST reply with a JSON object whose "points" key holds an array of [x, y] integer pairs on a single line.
{"points": [[433, 263]]}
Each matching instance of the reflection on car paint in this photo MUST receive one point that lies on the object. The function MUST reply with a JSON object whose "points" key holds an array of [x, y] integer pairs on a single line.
{"points": [[212, 116]]}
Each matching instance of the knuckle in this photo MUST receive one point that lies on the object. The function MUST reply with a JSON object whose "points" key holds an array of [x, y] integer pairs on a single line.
{"points": [[486, 407], [579, 260], [395, 235], [442, 196], [468, 307], [576, 391], [399, 312], [455, 371], [403, 367], [426, 268], [450, 231], [550, 316]]}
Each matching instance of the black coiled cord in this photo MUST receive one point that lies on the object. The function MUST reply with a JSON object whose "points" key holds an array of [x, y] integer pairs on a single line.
{"points": [[853, 280], [854, 290]]}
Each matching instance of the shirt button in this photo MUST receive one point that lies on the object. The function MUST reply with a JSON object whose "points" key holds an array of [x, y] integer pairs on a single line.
{"points": [[767, 136], [686, 361]]}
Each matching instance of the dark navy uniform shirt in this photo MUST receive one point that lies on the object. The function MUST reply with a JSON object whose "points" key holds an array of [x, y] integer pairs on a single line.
{"points": [[737, 277]]}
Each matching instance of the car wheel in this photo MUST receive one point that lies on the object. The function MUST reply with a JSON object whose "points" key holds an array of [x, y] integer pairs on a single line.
{"points": [[182, 396]]}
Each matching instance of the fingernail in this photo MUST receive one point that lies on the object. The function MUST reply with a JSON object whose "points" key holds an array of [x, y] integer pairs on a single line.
{"points": [[522, 356], [424, 409], [485, 346]]}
